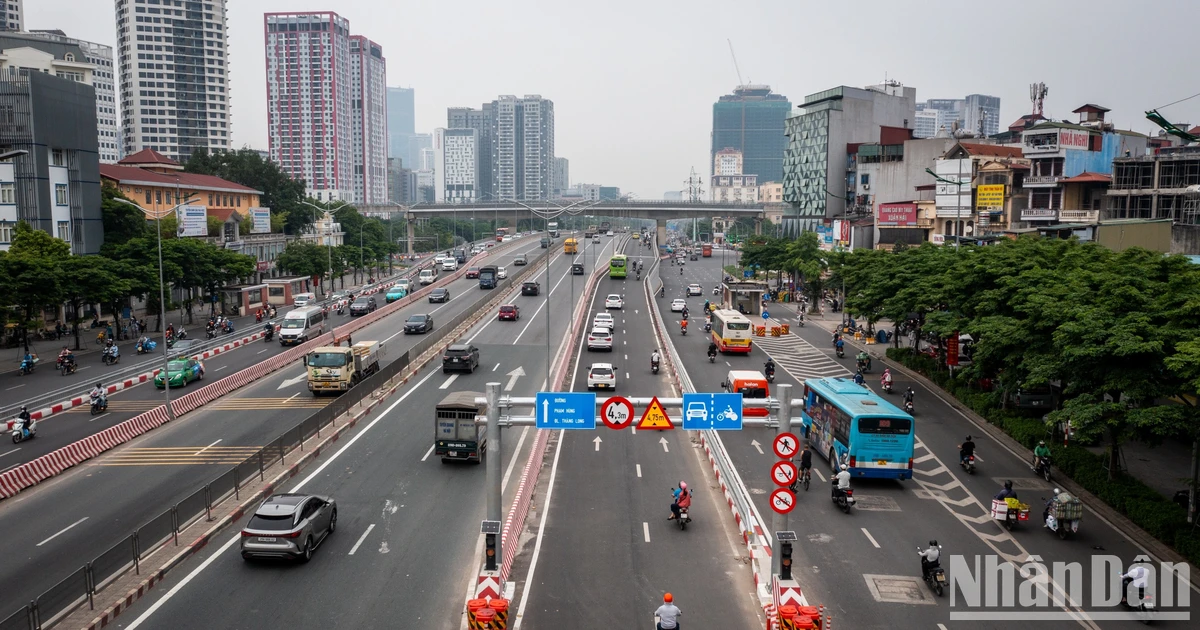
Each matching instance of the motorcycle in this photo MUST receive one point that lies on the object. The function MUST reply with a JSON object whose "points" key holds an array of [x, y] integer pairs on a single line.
{"points": [[843, 498], [1063, 527], [269, 335], [211, 333], [716, 290], [707, 327], [110, 356], [1043, 468], [258, 317], [712, 357], [908, 407], [67, 367], [341, 308], [683, 519], [935, 577], [27, 364], [841, 353], [99, 404], [654, 367], [887, 385], [19, 435], [182, 334], [968, 463], [1145, 608], [770, 373], [864, 365], [683, 328], [147, 346]]}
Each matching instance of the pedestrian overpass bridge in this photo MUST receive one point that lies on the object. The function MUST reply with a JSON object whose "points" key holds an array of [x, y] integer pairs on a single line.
{"points": [[513, 211]]}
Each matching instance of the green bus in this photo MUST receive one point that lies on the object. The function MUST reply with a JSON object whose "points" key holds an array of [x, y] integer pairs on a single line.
{"points": [[617, 266]]}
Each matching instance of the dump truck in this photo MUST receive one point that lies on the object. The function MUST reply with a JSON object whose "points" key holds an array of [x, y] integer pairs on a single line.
{"points": [[337, 368], [457, 434]]}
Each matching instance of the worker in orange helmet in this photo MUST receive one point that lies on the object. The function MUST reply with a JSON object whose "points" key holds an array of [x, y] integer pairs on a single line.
{"points": [[667, 615]]}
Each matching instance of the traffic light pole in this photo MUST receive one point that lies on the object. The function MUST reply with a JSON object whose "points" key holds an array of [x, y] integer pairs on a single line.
{"points": [[494, 481], [779, 522]]}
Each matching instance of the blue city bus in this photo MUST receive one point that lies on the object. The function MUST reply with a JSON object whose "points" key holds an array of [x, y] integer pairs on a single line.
{"points": [[848, 423]]}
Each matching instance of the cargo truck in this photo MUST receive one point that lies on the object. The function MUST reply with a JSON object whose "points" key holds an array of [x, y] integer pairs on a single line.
{"points": [[457, 434], [487, 277], [337, 368], [706, 250]]}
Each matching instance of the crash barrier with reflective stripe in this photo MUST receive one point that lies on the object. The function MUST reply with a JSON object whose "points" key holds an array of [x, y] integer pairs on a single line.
{"points": [[162, 530]]}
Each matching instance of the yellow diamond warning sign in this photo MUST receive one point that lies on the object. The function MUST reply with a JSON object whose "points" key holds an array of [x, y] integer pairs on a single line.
{"points": [[655, 417]]}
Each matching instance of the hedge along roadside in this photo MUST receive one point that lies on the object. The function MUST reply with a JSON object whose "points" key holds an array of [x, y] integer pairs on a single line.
{"points": [[55, 462], [1142, 506]]}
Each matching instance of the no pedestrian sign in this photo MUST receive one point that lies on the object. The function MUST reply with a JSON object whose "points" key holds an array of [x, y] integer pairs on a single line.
{"points": [[617, 412], [786, 445]]}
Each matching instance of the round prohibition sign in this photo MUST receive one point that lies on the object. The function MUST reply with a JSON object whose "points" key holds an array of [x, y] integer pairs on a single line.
{"points": [[617, 413], [783, 473], [786, 445], [782, 500]]}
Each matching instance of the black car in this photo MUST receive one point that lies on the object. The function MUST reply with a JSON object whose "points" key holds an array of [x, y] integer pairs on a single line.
{"points": [[418, 324], [577, 269], [530, 288], [363, 305], [440, 294], [460, 356]]}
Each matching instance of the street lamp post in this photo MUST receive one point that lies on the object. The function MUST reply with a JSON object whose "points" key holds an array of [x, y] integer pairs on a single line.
{"points": [[162, 298]]}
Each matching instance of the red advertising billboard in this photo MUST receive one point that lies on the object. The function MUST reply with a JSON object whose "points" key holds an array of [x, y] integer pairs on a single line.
{"points": [[952, 349], [897, 214]]}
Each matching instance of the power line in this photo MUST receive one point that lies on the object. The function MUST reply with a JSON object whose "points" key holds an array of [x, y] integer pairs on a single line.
{"points": [[1179, 101]]}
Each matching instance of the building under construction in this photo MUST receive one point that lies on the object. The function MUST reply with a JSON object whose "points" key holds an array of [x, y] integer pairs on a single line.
{"points": [[1165, 185]]}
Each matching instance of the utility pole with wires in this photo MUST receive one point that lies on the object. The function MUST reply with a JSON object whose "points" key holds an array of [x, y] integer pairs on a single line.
{"points": [[695, 187]]}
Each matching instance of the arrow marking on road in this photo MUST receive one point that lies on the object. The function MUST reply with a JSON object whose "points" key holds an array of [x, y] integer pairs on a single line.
{"points": [[512, 378], [597, 441], [291, 381], [664, 443], [757, 446]]}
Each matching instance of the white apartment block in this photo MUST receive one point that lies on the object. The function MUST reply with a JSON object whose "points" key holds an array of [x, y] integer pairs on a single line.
{"points": [[456, 165], [368, 89], [174, 69], [524, 147], [103, 79], [727, 162], [11, 16], [734, 188]]}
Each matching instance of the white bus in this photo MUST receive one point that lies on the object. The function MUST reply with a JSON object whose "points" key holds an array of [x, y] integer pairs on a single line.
{"points": [[731, 331]]}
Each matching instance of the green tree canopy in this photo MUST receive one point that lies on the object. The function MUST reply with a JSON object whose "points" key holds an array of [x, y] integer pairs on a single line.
{"points": [[281, 193]]}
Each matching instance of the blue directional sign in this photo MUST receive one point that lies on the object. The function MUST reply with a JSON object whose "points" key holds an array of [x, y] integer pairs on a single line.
{"points": [[712, 411], [566, 410]]}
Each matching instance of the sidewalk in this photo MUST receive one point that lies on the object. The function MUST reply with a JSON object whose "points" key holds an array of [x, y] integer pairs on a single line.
{"points": [[1165, 467]]}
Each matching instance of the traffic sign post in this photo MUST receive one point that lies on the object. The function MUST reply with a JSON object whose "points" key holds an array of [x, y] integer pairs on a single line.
{"points": [[786, 446], [720, 411], [617, 412], [565, 410]]}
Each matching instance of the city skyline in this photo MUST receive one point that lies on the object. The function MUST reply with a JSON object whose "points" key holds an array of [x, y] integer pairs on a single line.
{"points": [[690, 68]]}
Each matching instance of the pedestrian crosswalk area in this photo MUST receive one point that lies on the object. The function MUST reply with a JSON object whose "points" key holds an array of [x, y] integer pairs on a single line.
{"points": [[800, 358], [251, 404], [180, 456]]}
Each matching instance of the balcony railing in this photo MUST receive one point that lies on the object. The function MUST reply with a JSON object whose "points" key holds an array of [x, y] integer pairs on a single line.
{"points": [[1042, 180], [1038, 214], [1079, 216]]}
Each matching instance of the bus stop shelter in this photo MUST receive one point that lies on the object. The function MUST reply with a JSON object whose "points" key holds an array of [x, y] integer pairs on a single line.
{"points": [[745, 296]]}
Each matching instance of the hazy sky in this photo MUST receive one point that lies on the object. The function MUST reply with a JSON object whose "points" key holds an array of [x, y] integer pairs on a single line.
{"points": [[633, 82]]}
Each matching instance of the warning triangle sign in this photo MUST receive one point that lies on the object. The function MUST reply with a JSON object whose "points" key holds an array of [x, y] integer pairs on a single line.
{"points": [[655, 418]]}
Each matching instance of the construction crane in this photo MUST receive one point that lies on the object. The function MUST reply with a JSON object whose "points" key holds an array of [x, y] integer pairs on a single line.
{"points": [[735, 63]]}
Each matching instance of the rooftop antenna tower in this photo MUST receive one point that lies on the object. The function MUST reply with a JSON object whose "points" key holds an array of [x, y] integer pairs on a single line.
{"points": [[1037, 94]]}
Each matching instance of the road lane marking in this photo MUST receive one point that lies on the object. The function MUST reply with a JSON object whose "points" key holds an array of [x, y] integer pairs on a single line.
{"points": [[262, 351], [870, 537], [496, 368], [14, 387], [10, 467], [94, 418], [207, 447], [537, 546], [427, 454], [237, 537], [361, 539], [63, 531], [639, 471], [10, 452], [646, 530], [453, 377], [289, 398], [819, 475]]}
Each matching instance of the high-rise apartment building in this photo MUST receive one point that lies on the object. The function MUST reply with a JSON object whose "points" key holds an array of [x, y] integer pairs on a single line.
{"points": [[727, 162], [11, 16], [562, 174], [174, 69], [814, 174], [368, 89], [987, 108], [108, 132], [326, 105], [456, 165], [953, 114], [482, 121], [401, 121], [524, 147], [416, 144], [751, 120]]}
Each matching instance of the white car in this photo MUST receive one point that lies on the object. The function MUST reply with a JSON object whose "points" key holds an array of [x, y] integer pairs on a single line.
{"points": [[600, 339], [604, 320], [596, 240], [614, 301], [677, 305], [449, 264], [428, 276], [694, 289], [602, 376], [501, 273]]}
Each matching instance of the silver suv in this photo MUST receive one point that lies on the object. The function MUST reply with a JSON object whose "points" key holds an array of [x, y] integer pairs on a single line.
{"points": [[289, 526]]}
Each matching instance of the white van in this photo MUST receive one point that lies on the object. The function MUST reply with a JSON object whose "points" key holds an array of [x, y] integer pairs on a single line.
{"points": [[301, 325], [300, 300], [427, 277]]}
